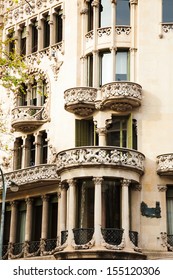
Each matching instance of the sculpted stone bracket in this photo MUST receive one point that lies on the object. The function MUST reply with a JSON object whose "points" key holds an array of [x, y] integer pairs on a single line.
{"points": [[151, 212], [165, 164]]}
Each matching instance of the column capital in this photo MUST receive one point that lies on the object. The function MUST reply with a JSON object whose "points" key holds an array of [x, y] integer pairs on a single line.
{"points": [[95, 3], [101, 130], [63, 185], [14, 204], [29, 200], [45, 197], [125, 182], [97, 180], [71, 182], [114, 2], [133, 2]]}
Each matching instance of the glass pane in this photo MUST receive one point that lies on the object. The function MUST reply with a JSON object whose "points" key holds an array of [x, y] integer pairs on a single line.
{"points": [[121, 66], [105, 11], [105, 68], [123, 12], [167, 12]]}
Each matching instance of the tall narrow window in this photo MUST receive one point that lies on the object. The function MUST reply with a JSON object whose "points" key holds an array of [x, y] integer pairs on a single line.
{"points": [[169, 201], [90, 70], [85, 204], [7, 224], [23, 41], [33, 99], [37, 219], [34, 41], [31, 143], [11, 43], [53, 214], [90, 16], [22, 96], [44, 147], [58, 26], [21, 222], [46, 33], [111, 215], [105, 68], [167, 11], [123, 12], [105, 13], [85, 133], [18, 153], [122, 65]]}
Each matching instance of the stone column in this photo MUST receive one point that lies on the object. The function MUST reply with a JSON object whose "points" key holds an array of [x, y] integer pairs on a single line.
{"points": [[24, 152], [125, 211], [58, 218], [45, 213], [95, 4], [113, 38], [97, 210], [13, 223], [71, 210], [40, 35], [28, 225], [28, 41], [37, 148], [63, 208], [133, 49], [102, 136], [84, 12], [52, 34]]}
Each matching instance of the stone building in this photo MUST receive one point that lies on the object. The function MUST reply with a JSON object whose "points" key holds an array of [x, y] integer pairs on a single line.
{"points": [[90, 146]]}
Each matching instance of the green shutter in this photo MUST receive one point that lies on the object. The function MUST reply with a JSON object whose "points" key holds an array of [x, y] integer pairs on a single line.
{"points": [[84, 133], [129, 132]]}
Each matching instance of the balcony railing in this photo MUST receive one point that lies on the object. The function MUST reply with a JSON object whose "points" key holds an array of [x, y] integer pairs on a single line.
{"points": [[112, 236], [165, 164], [97, 156], [134, 237], [117, 96], [28, 118], [170, 239], [64, 235], [39, 173], [80, 100], [83, 235]]}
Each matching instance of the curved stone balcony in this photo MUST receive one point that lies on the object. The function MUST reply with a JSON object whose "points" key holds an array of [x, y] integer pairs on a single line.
{"points": [[165, 164], [104, 37], [116, 96], [80, 100], [34, 174], [103, 161], [121, 96], [28, 118]]}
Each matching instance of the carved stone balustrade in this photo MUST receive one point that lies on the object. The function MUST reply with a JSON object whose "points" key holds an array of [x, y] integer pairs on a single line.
{"points": [[28, 118], [121, 96], [116, 96], [39, 174], [113, 158], [165, 164], [80, 100]]}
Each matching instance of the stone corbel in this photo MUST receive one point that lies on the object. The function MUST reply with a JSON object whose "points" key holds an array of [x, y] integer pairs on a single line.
{"points": [[56, 67]]}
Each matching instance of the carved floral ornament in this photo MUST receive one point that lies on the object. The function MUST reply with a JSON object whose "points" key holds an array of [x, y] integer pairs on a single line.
{"points": [[118, 96], [96, 156], [165, 164]]}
